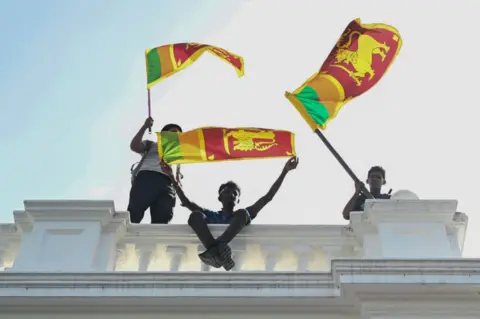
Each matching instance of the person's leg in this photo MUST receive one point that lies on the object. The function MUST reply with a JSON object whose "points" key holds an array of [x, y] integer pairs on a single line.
{"points": [[141, 196], [198, 222], [161, 209], [240, 219]]}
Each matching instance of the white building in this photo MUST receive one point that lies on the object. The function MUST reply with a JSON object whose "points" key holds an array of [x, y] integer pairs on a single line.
{"points": [[401, 258]]}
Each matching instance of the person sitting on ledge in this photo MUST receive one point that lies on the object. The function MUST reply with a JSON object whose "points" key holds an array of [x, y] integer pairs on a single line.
{"points": [[218, 253], [375, 179]]}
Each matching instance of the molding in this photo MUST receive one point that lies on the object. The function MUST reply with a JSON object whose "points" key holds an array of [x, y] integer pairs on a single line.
{"points": [[330, 234], [228, 307], [63, 206], [418, 309], [463, 266], [411, 205], [380, 285], [166, 280], [417, 279], [135, 293], [411, 211], [65, 211], [430, 271]]}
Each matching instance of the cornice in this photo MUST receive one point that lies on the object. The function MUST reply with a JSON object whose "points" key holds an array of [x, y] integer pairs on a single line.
{"points": [[177, 280], [351, 283]]}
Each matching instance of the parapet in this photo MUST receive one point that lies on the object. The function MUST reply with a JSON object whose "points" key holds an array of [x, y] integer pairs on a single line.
{"points": [[91, 236]]}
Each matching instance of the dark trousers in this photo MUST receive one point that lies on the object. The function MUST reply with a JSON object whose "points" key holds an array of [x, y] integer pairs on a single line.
{"points": [[154, 190], [199, 224]]}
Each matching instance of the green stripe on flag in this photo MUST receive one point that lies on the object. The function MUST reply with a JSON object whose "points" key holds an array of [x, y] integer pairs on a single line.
{"points": [[171, 146], [154, 66], [310, 100]]}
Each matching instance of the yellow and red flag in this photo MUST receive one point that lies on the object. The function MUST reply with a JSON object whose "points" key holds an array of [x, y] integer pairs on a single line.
{"points": [[169, 59], [213, 144], [358, 61]]}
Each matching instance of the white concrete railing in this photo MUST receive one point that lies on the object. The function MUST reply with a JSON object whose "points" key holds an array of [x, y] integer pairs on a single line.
{"points": [[84, 236], [258, 248]]}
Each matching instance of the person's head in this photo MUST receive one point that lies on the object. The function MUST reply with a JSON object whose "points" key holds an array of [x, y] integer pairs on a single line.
{"points": [[229, 194], [172, 128], [376, 177]]}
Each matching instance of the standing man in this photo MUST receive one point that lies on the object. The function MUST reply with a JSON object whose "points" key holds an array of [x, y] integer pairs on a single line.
{"points": [[151, 186], [375, 179], [218, 253]]}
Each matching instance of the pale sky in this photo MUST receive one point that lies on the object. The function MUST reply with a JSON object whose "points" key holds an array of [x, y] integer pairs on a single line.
{"points": [[405, 123]]}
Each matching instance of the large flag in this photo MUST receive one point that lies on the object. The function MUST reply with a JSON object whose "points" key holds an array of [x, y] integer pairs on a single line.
{"points": [[209, 144], [168, 59], [358, 61]]}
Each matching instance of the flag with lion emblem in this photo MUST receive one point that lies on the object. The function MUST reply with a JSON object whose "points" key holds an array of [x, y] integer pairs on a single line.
{"points": [[358, 61], [213, 144]]}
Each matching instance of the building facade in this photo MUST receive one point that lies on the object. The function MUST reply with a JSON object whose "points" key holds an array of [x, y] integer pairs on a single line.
{"points": [[400, 258]]}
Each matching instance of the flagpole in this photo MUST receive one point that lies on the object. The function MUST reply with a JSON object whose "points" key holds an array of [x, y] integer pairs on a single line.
{"points": [[149, 110], [342, 162]]}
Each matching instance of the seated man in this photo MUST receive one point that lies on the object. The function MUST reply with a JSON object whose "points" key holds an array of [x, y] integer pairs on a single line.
{"points": [[375, 179], [218, 253]]}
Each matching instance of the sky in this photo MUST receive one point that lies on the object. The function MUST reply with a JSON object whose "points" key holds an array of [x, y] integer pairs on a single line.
{"points": [[72, 91]]}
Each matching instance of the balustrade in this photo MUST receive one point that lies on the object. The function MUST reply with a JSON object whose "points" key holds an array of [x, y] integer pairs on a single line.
{"points": [[258, 248], [90, 236]]}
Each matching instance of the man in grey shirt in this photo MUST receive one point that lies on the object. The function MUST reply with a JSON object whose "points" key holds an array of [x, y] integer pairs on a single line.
{"points": [[152, 187]]}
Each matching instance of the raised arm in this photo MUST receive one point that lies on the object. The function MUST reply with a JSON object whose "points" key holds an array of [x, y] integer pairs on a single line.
{"points": [[178, 188], [136, 144], [351, 203], [264, 200]]}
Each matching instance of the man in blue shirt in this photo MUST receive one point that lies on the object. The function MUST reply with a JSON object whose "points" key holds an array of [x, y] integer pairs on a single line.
{"points": [[218, 253]]}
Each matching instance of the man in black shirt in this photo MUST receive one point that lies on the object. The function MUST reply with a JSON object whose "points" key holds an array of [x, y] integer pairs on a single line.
{"points": [[375, 179]]}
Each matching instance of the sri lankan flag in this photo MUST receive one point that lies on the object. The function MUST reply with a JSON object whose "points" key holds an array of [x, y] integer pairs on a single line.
{"points": [[358, 61], [166, 60], [210, 144]]}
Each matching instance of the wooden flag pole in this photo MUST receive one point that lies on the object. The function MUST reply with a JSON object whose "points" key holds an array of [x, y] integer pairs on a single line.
{"points": [[149, 110], [342, 162]]}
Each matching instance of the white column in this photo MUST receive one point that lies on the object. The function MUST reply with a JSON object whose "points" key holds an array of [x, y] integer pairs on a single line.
{"points": [[304, 256], [120, 253], [3, 252], [203, 267], [145, 252], [271, 254], [238, 254], [67, 236], [176, 254], [410, 228]]}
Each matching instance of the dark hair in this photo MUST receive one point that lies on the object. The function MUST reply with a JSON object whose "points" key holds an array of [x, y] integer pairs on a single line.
{"points": [[168, 127], [377, 169], [229, 184]]}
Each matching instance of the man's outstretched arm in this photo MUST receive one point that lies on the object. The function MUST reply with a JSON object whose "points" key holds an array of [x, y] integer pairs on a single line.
{"points": [[264, 200], [184, 199], [178, 189]]}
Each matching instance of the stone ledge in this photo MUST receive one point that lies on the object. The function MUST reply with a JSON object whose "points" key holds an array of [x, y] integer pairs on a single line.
{"points": [[456, 269]]}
